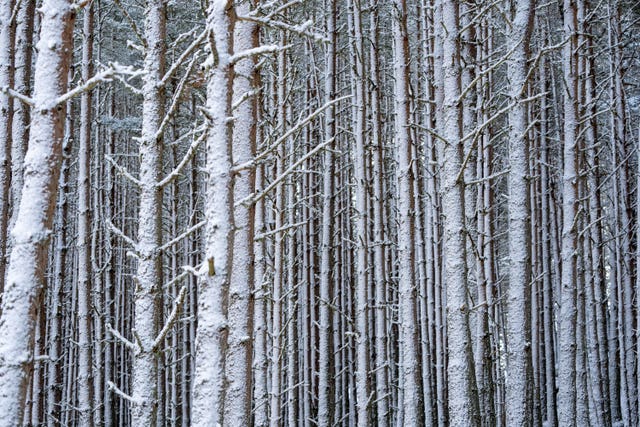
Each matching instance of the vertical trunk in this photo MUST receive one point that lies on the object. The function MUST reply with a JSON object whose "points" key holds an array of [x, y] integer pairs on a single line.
{"points": [[461, 375], [568, 307], [21, 113], [238, 359], [381, 319], [85, 386], [213, 292], [25, 277], [411, 405], [518, 335], [360, 193], [547, 262], [324, 367], [54, 335], [292, 293], [260, 374], [278, 256], [7, 32], [148, 278]]}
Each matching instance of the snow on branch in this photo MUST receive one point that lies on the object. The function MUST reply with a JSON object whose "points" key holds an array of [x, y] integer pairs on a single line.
{"points": [[301, 123], [301, 29], [178, 62], [243, 98], [262, 7], [175, 101], [257, 196], [183, 235], [103, 76], [130, 345], [187, 157], [132, 23], [261, 50], [14, 94], [282, 229], [177, 306], [115, 230], [114, 388], [123, 171]]}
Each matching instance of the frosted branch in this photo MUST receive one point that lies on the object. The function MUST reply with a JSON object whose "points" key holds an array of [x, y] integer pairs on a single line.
{"points": [[128, 85], [114, 388], [183, 235], [262, 50], [282, 229], [14, 12], [14, 94], [121, 338], [255, 197], [176, 100], [302, 29], [261, 7], [115, 230], [177, 279], [187, 157], [178, 62], [103, 76], [177, 305], [132, 23], [122, 171], [302, 123]]}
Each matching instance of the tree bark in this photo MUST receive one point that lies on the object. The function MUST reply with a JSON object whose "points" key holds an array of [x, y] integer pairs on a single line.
{"points": [[32, 231]]}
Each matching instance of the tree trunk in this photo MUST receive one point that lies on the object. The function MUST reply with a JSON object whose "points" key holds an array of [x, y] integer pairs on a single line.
{"points": [[519, 378], [210, 380], [32, 231]]}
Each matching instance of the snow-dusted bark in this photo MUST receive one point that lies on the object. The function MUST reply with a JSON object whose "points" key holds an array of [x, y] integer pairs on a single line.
{"points": [[7, 31], [237, 405], [85, 387], [277, 329], [260, 374], [21, 111], [324, 347], [548, 282], [32, 231], [568, 308], [518, 376], [460, 370], [595, 319], [210, 382], [409, 369], [360, 212], [148, 279], [378, 200]]}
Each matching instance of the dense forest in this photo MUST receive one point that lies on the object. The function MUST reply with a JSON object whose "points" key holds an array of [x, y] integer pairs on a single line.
{"points": [[319, 213]]}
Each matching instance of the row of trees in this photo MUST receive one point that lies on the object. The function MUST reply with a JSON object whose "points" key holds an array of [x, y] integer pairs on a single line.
{"points": [[331, 212]]}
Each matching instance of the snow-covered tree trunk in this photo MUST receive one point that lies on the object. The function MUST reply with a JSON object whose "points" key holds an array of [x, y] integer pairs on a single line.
{"points": [[460, 372], [210, 382], [7, 32], [277, 328], [237, 406], [325, 410], [32, 231], [260, 374], [518, 376], [85, 366], [547, 262], [360, 196], [378, 200], [568, 307], [148, 277], [21, 111], [409, 369]]}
